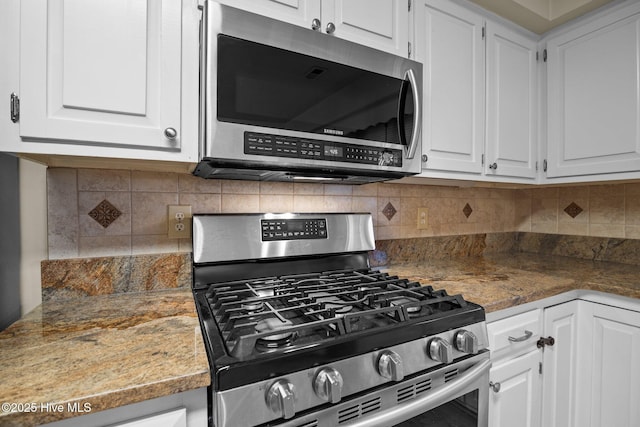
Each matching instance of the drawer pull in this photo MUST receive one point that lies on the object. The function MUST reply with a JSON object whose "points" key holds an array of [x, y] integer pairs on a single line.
{"points": [[526, 336]]}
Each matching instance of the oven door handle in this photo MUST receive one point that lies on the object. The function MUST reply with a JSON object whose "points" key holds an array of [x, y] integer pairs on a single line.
{"points": [[431, 400]]}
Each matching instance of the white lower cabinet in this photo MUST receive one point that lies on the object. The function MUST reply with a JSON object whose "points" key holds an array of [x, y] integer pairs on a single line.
{"points": [[514, 398], [588, 377]]}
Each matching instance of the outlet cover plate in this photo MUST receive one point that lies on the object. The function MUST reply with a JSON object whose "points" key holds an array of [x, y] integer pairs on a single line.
{"points": [[423, 218], [179, 221]]}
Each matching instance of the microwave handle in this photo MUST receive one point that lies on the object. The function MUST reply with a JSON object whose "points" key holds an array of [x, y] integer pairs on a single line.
{"points": [[439, 396], [409, 79]]}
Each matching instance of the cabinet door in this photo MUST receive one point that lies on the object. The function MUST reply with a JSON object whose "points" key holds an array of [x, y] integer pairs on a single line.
{"points": [[517, 402], [593, 103], [380, 24], [560, 366], [611, 373], [297, 12], [511, 103], [104, 71], [449, 44]]}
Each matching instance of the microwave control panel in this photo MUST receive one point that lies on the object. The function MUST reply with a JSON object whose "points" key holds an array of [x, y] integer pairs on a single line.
{"points": [[293, 229], [263, 144]]}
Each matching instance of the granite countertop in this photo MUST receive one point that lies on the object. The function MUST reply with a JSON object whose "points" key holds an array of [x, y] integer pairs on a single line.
{"points": [[499, 281], [105, 351]]}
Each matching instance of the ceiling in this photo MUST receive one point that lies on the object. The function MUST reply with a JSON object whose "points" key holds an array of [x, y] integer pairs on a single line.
{"points": [[540, 16]]}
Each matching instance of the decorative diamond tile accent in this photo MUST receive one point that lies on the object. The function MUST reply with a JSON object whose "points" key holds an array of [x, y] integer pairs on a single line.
{"points": [[573, 210], [467, 210], [105, 213], [389, 211]]}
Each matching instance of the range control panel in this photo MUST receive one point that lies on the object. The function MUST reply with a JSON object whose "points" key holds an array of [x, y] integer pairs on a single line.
{"points": [[304, 148], [293, 229]]}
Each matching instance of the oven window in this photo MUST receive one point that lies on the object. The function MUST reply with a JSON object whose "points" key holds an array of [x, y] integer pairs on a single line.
{"points": [[461, 412], [271, 87]]}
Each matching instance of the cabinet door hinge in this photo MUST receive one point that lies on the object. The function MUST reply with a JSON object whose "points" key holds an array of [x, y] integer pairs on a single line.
{"points": [[15, 108], [537, 56], [543, 342], [409, 49], [544, 55], [482, 160], [409, 6], [540, 368], [544, 165], [536, 166], [484, 30]]}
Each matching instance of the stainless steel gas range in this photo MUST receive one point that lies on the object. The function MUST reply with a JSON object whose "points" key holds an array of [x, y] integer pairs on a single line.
{"points": [[300, 331]]}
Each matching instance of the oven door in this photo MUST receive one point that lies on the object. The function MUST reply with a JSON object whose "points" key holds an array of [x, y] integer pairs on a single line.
{"points": [[454, 395]]}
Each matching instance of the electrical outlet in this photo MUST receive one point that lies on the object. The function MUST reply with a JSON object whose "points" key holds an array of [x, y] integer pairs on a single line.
{"points": [[423, 218], [179, 220]]}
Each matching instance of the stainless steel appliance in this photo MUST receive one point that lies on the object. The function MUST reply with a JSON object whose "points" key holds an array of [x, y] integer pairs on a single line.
{"points": [[281, 102], [300, 331]]}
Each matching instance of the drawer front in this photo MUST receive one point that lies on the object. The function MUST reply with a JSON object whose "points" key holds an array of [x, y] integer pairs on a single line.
{"points": [[515, 333]]}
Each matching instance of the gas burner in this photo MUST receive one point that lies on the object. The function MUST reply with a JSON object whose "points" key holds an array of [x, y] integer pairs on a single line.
{"points": [[253, 307], [332, 302], [274, 341]]}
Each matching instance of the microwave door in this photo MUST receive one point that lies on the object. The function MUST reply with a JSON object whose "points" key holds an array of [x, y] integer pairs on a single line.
{"points": [[409, 114]]}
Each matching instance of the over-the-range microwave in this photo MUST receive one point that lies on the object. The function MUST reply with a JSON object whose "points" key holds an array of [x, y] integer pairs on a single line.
{"points": [[283, 103]]}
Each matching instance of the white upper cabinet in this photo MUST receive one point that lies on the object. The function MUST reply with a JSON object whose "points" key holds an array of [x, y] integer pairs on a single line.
{"points": [[380, 24], [511, 142], [109, 74], [449, 44], [469, 115], [593, 103]]}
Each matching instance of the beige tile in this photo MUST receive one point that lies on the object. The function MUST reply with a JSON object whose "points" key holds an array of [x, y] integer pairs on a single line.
{"points": [[336, 204], [97, 246], [338, 190], [365, 189], [389, 190], [276, 203], [185, 245], [154, 182], [388, 232], [149, 212], [240, 203], [104, 180], [408, 232], [605, 191], [409, 211], [632, 232], [522, 194], [382, 220], [632, 189], [202, 203], [153, 244], [544, 211], [544, 193], [606, 210], [305, 188], [88, 200], [308, 203], [240, 187], [574, 192], [544, 227], [575, 229], [62, 192], [276, 188], [62, 243], [194, 184], [632, 210], [606, 230]]}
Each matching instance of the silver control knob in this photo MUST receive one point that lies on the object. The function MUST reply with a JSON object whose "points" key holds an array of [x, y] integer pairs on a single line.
{"points": [[390, 366], [280, 399], [466, 342], [328, 385], [440, 350]]}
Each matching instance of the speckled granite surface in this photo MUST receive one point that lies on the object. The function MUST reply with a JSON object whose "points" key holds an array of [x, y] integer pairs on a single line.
{"points": [[503, 280], [105, 351], [81, 277]]}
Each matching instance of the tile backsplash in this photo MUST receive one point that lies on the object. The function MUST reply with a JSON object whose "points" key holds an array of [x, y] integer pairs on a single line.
{"points": [[135, 212]]}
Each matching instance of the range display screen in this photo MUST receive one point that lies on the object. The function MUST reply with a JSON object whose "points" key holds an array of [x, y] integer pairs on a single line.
{"points": [[293, 229]]}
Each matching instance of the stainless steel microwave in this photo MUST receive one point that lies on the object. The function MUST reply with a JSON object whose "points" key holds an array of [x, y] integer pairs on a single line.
{"points": [[283, 103]]}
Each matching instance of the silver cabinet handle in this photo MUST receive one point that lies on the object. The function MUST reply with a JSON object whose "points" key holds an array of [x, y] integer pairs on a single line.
{"points": [[526, 336], [330, 28], [494, 386], [170, 133], [493, 166], [315, 24]]}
